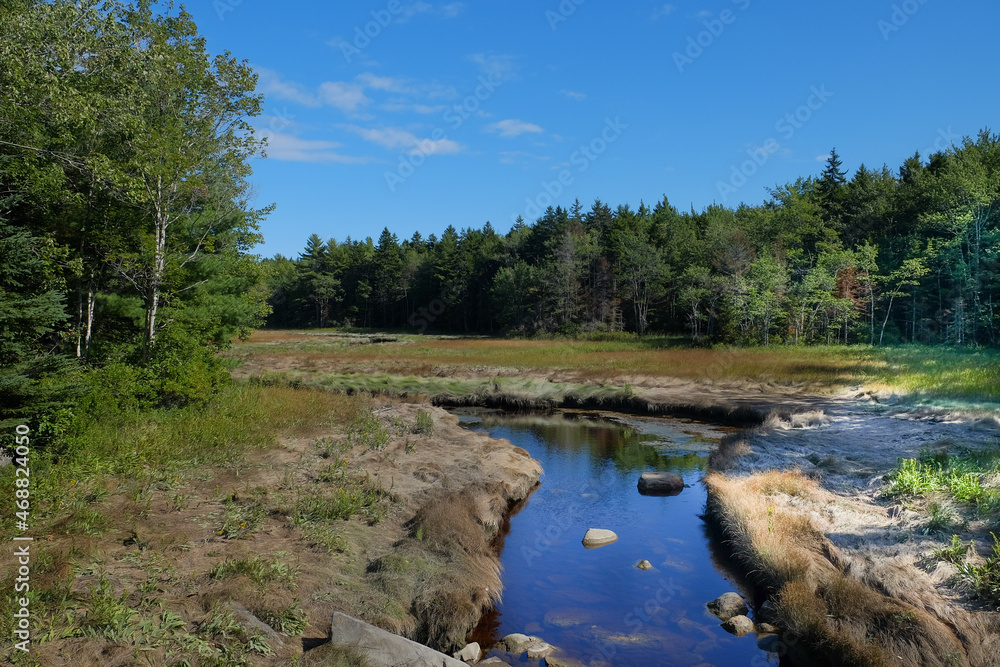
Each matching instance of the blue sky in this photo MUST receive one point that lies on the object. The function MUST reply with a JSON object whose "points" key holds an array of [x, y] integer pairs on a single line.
{"points": [[417, 115]]}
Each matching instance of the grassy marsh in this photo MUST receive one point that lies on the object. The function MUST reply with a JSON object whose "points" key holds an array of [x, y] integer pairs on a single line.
{"points": [[924, 373]]}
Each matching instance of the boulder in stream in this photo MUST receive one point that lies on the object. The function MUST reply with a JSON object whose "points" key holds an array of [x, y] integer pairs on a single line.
{"points": [[738, 625], [660, 484], [728, 605], [598, 537]]}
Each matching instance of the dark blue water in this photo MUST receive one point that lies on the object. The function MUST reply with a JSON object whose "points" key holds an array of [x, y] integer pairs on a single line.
{"points": [[596, 604]]}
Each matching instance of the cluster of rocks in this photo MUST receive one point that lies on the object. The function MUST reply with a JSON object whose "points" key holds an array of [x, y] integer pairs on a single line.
{"points": [[385, 649], [512, 647], [732, 610]]}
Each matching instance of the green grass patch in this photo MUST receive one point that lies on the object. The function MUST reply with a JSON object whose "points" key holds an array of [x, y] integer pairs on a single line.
{"points": [[260, 571], [983, 579], [968, 479]]}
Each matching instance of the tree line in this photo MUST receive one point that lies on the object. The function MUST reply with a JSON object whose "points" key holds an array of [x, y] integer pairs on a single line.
{"points": [[880, 257]]}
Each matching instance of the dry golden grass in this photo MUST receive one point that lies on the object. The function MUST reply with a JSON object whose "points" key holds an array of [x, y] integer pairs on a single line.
{"points": [[586, 360], [846, 612], [930, 374]]}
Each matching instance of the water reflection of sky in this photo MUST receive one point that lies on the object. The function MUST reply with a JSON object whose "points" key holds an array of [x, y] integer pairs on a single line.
{"points": [[595, 603]]}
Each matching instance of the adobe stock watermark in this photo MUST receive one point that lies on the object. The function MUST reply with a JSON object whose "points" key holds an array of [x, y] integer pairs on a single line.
{"points": [[281, 120], [223, 7], [565, 9], [454, 117], [787, 125], [364, 35], [581, 158], [946, 139], [714, 27], [900, 16], [638, 619]]}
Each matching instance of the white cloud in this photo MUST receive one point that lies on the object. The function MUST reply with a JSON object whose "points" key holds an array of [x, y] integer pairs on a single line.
{"points": [[395, 138], [288, 148], [665, 10], [573, 95], [270, 83], [497, 67], [405, 86], [439, 147], [521, 157], [388, 137], [512, 127], [448, 11], [415, 108], [347, 97], [822, 158], [452, 10]]}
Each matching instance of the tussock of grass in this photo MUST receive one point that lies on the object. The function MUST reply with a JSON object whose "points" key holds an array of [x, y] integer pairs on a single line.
{"points": [[982, 579], [331, 655], [829, 608]]}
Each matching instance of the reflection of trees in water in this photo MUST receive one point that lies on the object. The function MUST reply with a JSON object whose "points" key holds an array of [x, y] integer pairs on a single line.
{"points": [[601, 440]]}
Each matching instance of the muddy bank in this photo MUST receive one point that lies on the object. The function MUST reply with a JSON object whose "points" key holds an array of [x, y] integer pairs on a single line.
{"points": [[720, 413], [455, 489], [849, 571]]}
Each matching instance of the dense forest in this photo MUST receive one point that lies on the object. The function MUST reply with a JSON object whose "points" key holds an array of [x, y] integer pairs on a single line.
{"points": [[880, 257], [127, 238]]}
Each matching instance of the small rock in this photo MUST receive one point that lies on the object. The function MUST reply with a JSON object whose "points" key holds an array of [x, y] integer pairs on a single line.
{"points": [[569, 617], [492, 662], [770, 643], [598, 537], [644, 565], [767, 629], [539, 650], [767, 613], [562, 661], [470, 653], [728, 605], [738, 625], [660, 484], [517, 643]]}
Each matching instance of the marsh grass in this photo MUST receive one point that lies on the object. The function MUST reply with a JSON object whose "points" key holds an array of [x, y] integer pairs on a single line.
{"points": [[261, 572], [100, 489], [924, 374], [966, 479], [840, 620], [983, 578]]}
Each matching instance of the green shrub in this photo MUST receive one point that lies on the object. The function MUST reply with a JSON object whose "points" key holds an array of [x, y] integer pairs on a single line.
{"points": [[424, 424]]}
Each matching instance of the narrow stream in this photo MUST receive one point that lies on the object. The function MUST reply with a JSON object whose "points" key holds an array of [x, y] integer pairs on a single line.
{"points": [[595, 603]]}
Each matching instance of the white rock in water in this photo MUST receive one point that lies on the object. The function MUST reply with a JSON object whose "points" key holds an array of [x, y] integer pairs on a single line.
{"points": [[738, 625], [598, 537], [539, 650], [470, 653], [517, 643]]}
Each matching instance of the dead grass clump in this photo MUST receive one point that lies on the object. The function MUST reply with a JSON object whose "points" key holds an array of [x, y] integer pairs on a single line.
{"points": [[731, 448], [455, 530], [846, 612], [333, 655]]}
